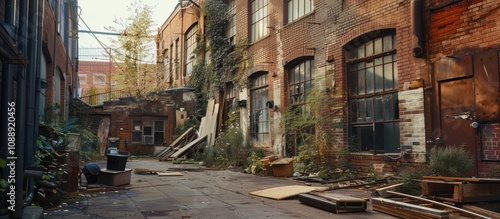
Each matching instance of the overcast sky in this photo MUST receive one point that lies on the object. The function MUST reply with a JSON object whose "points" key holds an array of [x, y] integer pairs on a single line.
{"points": [[98, 14]]}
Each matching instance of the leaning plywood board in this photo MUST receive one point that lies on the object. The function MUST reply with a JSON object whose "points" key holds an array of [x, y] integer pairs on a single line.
{"points": [[182, 150], [284, 192]]}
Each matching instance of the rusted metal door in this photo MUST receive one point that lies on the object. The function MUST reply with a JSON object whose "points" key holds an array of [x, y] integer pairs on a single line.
{"points": [[456, 105], [457, 114]]}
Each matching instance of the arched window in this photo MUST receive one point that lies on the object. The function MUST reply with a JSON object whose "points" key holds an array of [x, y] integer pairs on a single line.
{"points": [[372, 76], [190, 46], [300, 84], [259, 112]]}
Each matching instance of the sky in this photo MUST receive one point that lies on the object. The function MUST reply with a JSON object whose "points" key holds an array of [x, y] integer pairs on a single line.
{"points": [[98, 14]]}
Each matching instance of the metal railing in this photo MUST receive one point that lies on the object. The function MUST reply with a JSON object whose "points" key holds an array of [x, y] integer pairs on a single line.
{"points": [[99, 99]]}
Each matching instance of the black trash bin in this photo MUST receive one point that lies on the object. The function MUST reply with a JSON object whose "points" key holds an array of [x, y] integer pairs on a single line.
{"points": [[116, 162]]}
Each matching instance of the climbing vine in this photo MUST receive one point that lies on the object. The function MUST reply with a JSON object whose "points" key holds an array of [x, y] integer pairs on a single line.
{"points": [[224, 61]]}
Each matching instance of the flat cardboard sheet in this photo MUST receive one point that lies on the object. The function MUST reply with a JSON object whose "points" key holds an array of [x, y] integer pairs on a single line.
{"points": [[284, 192]]}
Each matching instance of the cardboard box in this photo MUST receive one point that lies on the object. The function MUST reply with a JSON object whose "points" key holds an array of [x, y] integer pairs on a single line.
{"points": [[283, 167], [114, 177]]}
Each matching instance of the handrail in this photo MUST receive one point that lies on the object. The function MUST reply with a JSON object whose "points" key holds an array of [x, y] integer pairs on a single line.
{"points": [[99, 99]]}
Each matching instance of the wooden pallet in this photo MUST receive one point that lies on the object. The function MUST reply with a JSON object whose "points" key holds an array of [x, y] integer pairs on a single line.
{"points": [[461, 190]]}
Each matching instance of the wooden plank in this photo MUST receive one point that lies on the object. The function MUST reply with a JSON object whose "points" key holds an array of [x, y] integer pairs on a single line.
{"points": [[440, 204], [405, 210], [169, 173], [181, 151], [382, 192], [213, 126], [464, 179], [481, 211], [338, 197], [283, 192]]}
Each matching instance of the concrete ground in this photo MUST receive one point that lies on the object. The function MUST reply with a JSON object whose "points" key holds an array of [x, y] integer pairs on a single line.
{"points": [[198, 193]]}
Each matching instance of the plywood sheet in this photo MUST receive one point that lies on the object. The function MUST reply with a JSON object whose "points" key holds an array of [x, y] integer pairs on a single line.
{"points": [[284, 192]]}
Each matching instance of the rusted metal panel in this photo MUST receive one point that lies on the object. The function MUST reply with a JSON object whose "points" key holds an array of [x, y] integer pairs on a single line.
{"points": [[453, 67], [457, 93], [486, 81]]}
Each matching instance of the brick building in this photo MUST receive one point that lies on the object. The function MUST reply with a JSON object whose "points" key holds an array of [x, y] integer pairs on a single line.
{"points": [[395, 71], [38, 68]]}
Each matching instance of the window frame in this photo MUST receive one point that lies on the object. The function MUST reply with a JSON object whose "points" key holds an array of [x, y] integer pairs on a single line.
{"points": [[99, 79], [231, 24], [148, 132], [190, 46], [372, 94], [259, 19], [301, 9], [259, 91]]}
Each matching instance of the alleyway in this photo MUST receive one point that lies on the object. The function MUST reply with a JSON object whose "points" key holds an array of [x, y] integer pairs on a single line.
{"points": [[197, 193]]}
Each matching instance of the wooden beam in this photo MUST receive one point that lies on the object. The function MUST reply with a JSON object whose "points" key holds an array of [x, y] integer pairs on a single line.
{"points": [[406, 210], [441, 204]]}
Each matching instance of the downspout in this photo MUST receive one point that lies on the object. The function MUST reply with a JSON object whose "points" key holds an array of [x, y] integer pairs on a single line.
{"points": [[417, 21], [34, 52], [21, 110]]}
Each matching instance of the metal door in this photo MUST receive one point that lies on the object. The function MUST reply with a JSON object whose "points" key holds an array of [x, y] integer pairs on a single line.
{"points": [[457, 114]]}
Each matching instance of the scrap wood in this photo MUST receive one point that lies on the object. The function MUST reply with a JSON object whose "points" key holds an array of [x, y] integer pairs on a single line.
{"points": [[406, 210], [188, 146], [464, 179], [169, 173], [441, 204], [482, 211], [283, 192], [380, 181], [382, 191]]}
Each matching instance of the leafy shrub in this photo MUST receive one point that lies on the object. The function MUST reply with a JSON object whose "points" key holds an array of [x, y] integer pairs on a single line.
{"points": [[450, 161]]}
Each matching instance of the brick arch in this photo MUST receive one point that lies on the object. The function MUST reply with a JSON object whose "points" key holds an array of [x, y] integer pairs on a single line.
{"points": [[259, 69], [364, 29], [297, 54]]}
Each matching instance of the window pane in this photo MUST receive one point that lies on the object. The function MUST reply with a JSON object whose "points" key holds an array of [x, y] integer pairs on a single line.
{"points": [[365, 138], [307, 6], [388, 76], [361, 82], [354, 111], [388, 107], [353, 83], [378, 46], [362, 110], [369, 48], [378, 108], [361, 51], [379, 78], [387, 43], [158, 138], [148, 130], [369, 80], [369, 109], [391, 137]]}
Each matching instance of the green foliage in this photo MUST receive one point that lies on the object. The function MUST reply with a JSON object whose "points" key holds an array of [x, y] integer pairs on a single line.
{"points": [[450, 161], [132, 52], [228, 150], [410, 177], [253, 163], [225, 60]]}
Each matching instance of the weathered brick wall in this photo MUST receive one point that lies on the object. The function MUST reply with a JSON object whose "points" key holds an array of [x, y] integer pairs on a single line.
{"points": [[412, 122], [490, 149], [465, 28]]}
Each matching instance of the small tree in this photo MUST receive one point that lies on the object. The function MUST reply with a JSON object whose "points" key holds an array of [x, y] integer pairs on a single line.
{"points": [[137, 73]]}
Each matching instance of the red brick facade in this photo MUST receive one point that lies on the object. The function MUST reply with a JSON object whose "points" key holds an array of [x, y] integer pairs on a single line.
{"points": [[449, 28]]}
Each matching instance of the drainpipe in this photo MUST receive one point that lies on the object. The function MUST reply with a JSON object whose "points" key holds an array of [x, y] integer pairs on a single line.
{"points": [[21, 110], [34, 52], [417, 13]]}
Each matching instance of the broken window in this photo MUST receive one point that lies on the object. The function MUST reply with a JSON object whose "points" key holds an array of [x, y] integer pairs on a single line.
{"points": [[259, 112], [372, 76]]}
